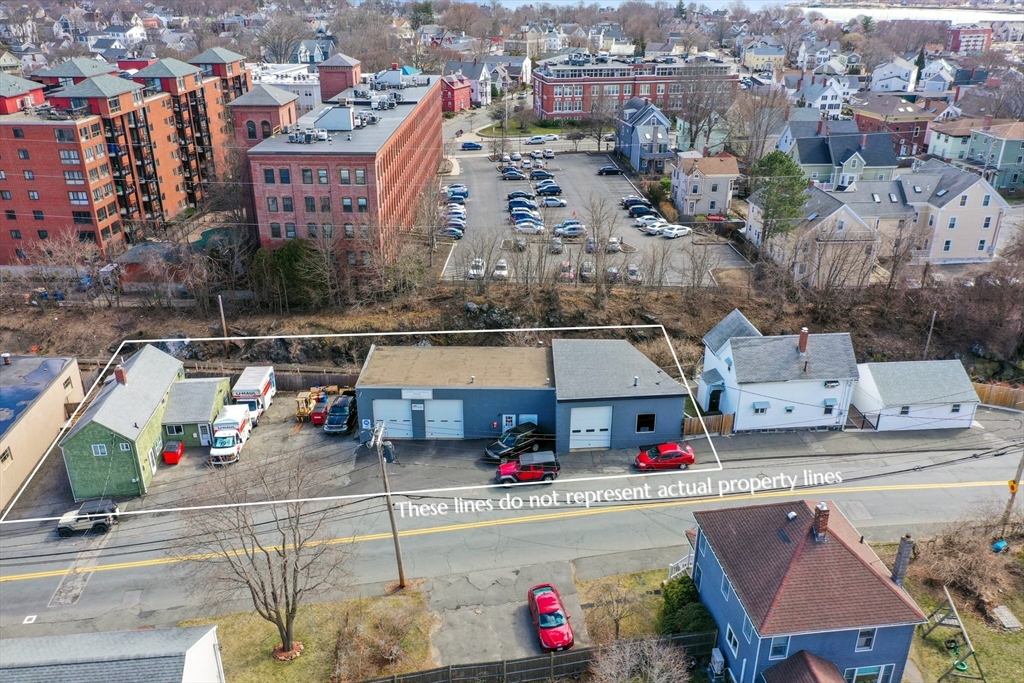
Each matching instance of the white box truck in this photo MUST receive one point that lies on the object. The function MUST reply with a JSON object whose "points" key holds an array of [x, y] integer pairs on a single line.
{"points": [[255, 388], [231, 430]]}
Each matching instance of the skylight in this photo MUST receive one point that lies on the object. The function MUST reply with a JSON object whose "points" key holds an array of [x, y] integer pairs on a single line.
{"points": [[941, 192], [917, 189], [892, 197], [812, 216], [876, 198]]}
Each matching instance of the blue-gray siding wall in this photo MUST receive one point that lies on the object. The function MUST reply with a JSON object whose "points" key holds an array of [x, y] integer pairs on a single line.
{"points": [[668, 426], [480, 407], [892, 643]]}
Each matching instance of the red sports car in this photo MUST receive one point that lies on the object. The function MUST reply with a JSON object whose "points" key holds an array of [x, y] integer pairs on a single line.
{"points": [[549, 618], [666, 456]]}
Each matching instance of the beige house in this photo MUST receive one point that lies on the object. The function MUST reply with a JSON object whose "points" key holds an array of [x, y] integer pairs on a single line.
{"points": [[704, 186], [35, 392], [9, 64], [960, 213]]}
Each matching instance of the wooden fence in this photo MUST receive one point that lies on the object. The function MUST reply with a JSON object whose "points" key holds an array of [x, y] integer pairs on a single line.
{"points": [[571, 664], [717, 424], [999, 395]]}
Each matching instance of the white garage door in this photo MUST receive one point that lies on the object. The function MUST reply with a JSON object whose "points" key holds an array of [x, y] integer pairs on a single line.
{"points": [[444, 419], [590, 427], [396, 414]]}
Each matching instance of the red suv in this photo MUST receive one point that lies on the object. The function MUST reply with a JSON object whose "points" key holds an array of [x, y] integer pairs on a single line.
{"points": [[539, 466], [666, 456]]}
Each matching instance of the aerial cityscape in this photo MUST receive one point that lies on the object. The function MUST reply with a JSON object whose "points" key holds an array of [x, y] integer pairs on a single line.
{"points": [[441, 341]]}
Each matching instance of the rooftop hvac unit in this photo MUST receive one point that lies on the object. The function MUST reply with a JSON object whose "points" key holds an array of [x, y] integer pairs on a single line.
{"points": [[717, 662]]}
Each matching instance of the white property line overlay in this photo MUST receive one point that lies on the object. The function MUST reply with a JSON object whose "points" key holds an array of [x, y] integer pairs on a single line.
{"points": [[336, 335]]}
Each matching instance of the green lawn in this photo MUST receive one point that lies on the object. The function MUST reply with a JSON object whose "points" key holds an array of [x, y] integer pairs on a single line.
{"points": [[514, 130], [643, 620]]}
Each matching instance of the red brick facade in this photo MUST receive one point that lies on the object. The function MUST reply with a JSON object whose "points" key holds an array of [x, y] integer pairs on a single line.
{"points": [[456, 93], [972, 40]]}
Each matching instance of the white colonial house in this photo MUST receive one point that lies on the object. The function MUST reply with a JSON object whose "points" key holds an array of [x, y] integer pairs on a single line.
{"points": [[929, 394], [786, 382], [899, 75]]}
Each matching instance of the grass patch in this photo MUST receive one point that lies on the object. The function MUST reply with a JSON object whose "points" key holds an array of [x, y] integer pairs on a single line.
{"points": [[247, 641], [639, 617], [494, 130]]}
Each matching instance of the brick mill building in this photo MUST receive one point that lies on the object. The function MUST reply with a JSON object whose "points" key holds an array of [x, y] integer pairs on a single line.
{"points": [[576, 88], [106, 157], [353, 169]]}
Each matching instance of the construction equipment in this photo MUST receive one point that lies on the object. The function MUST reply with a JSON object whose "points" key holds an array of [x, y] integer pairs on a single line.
{"points": [[304, 404]]}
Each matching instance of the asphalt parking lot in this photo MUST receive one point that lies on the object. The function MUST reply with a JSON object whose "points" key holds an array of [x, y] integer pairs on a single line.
{"points": [[489, 234]]}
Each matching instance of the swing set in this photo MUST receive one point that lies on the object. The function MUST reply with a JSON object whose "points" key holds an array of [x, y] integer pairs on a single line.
{"points": [[959, 644]]}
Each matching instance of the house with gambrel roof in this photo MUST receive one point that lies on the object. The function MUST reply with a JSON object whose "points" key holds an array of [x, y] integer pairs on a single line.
{"points": [[792, 586]]}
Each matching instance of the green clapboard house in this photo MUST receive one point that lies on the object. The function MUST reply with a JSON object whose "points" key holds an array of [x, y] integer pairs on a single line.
{"points": [[113, 448], [192, 406]]}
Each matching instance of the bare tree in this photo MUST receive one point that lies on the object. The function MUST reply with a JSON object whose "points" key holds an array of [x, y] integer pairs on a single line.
{"points": [[696, 276], [754, 117], [614, 603], [59, 260], [601, 116], [700, 105], [640, 661], [895, 252], [322, 265], [600, 216], [279, 39], [274, 553]]}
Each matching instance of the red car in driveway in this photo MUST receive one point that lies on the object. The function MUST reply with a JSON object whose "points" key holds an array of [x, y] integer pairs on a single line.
{"points": [[666, 456], [549, 618]]}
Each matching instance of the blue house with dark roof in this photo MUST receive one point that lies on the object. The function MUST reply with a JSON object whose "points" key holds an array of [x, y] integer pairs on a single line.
{"points": [[798, 597]]}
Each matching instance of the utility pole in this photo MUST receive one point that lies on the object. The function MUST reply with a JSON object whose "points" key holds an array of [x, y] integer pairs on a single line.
{"points": [[924, 356], [224, 326], [1013, 496], [378, 440]]}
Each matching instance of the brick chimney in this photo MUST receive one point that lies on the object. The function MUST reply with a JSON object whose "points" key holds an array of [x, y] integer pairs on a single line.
{"points": [[802, 344], [121, 375], [988, 122], [821, 125], [820, 527], [864, 141], [899, 567]]}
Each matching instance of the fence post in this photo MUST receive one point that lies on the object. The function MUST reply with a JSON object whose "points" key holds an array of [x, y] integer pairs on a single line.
{"points": [[551, 670], [449, 673], [504, 671]]}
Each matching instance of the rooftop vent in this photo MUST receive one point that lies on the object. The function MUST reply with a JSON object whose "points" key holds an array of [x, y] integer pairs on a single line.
{"points": [[791, 515]]}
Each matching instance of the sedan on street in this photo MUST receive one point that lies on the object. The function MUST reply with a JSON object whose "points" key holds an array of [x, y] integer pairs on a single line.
{"points": [[472, 145], [550, 618], [666, 456], [550, 137]]}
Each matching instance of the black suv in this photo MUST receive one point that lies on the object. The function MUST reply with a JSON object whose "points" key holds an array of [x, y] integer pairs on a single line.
{"points": [[342, 416], [513, 442]]}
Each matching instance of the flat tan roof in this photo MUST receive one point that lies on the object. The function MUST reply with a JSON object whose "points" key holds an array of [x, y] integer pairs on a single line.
{"points": [[454, 366]]}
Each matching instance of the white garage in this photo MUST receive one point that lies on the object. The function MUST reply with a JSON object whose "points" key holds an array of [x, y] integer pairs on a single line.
{"points": [[396, 414], [590, 427], [443, 419]]}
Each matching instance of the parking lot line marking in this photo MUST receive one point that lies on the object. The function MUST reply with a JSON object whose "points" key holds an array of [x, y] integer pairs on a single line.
{"points": [[562, 514]]}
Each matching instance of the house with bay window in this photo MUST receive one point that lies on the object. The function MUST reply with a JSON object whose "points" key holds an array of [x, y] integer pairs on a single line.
{"points": [[798, 596], [642, 136]]}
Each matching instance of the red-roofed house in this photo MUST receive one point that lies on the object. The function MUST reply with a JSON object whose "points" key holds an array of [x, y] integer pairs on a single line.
{"points": [[794, 581], [456, 93]]}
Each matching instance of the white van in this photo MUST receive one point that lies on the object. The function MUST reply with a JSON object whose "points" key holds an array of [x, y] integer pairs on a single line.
{"points": [[536, 140], [231, 430]]}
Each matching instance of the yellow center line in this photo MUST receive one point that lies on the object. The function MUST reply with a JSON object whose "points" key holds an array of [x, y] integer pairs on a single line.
{"points": [[560, 514]]}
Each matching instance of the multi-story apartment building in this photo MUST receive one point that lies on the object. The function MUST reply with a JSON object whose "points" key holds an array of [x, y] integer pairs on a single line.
{"points": [[997, 153], [577, 88], [704, 186], [106, 157], [907, 121], [352, 171], [229, 66], [302, 80], [969, 39]]}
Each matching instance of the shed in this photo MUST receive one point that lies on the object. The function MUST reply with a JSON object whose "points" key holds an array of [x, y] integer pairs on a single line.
{"points": [[166, 655], [192, 406], [927, 394]]}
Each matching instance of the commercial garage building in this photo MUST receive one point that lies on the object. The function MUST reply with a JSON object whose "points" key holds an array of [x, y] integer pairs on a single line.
{"points": [[588, 394]]}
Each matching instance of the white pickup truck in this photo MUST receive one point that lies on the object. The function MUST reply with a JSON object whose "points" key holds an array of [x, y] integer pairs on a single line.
{"points": [[231, 430]]}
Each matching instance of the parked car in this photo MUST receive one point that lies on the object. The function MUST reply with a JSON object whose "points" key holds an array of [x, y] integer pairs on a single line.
{"points": [[477, 269], [519, 244], [632, 199], [654, 228], [524, 214], [520, 194], [454, 233], [566, 273], [569, 222], [610, 137], [672, 231], [549, 190], [457, 188], [472, 145], [643, 221], [516, 175], [537, 154], [516, 156], [612, 275], [527, 164], [571, 231], [556, 245], [539, 466], [613, 245], [544, 183], [519, 439], [666, 456], [500, 271], [549, 154], [642, 210], [550, 137], [550, 618], [529, 228], [588, 271], [318, 415], [591, 245], [520, 203], [93, 515], [342, 416], [609, 170], [553, 202], [633, 274], [506, 159], [173, 450], [456, 199], [541, 174], [535, 140]]}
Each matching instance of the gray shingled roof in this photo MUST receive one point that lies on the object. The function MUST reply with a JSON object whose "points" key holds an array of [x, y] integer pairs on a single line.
{"points": [[127, 408], [154, 656], [79, 67], [809, 129], [933, 176], [733, 325], [190, 401], [339, 59], [103, 85], [860, 197], [264, 96], [605, 368], [12, 86], [712, 377], [777, 359], [167, 68], [924, 382], [217, 55], [818, 207], [837, 149]]}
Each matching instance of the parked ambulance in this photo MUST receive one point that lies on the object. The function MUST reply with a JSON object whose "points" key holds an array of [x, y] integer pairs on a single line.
{"points": [[255, 388], [231, 430]]}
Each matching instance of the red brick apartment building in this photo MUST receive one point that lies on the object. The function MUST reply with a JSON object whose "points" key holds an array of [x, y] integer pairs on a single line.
{"points": [[360, 182], [971, 39], [103, 154], [907, 121], [573, 88], [456, 93]]}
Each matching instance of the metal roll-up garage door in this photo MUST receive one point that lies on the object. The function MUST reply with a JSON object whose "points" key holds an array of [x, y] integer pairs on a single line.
{"points": [[396, 414], [590, 427], [444, 419]]}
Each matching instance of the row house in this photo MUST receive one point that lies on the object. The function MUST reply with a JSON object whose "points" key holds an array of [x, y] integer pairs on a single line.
{"points": [[948, 140], [567, 90], [455, 93], [996, 152]]}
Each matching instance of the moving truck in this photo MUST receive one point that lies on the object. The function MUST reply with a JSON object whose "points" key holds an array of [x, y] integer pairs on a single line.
{"points": [[231, 430], [255, 388]]}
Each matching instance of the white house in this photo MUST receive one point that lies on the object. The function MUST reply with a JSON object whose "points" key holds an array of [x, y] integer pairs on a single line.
{"points": [[785, 382], [899, 75], [928, 394], [826, 96], [129, 35]]}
